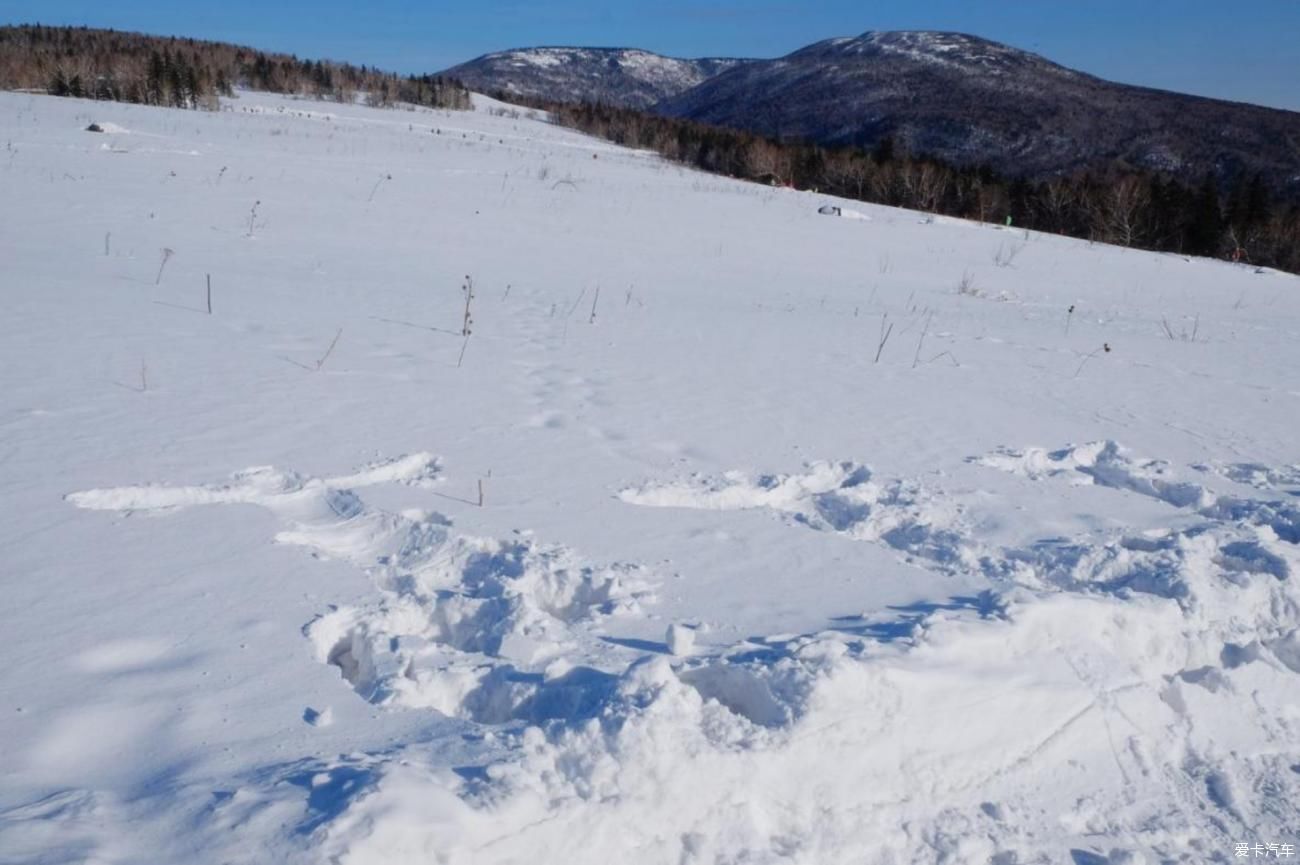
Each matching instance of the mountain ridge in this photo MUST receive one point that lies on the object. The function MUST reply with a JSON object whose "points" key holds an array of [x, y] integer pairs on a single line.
{"points": [[954, 96], [629, 77]]}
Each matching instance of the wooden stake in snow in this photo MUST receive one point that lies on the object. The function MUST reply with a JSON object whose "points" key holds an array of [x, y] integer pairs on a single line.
{"points": [[144, 376], [209, 294], [252, 216], [480, 492], [595, 300]]}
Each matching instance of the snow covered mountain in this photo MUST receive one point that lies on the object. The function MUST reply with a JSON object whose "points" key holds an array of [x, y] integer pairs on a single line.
{"points": [[961, 98], [974, 102], [618, 76], [732, 532]]}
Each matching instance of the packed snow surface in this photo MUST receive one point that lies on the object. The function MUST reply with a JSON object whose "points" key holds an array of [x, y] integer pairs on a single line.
{"points": [[730, 534]]}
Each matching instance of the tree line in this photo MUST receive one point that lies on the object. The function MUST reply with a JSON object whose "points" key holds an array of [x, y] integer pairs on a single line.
{"points": [[1247, 222], [190, 73]]}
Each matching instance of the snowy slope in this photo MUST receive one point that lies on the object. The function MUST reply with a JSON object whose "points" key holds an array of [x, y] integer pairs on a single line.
{"points": [[736, 590]]}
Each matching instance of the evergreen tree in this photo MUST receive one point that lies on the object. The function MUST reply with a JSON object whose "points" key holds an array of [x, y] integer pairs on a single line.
{"points": [[154, 79], [1205, 231], [884, 150], [58, 85]]}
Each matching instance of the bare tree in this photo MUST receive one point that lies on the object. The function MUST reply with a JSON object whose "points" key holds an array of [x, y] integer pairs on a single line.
{"points": [[1118, 212]]}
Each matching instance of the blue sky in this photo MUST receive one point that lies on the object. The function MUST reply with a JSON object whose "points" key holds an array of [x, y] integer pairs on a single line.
{"points": [[1248, 51]]}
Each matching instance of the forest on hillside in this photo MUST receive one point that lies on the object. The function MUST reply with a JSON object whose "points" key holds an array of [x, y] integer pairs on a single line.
{"points": [[1248, 223], [190, 73]]}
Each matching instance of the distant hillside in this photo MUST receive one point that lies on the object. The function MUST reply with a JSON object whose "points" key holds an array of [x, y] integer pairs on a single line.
{"points": [[191, 73], [970, 101], [959, 98], [617, 76]]}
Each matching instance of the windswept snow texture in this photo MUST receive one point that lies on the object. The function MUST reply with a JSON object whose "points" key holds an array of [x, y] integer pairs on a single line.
{"points": [[731, 534]]}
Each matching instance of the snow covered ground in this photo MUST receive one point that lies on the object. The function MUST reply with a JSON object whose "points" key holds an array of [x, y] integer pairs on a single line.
{"points": [[670, 562]]}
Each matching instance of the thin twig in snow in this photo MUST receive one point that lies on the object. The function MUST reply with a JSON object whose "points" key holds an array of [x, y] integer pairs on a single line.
{"points": [[1105, 348], [581, 295], [375, 188], [884, 335], [166, 255], [468, 289], [413, 324], [952, 357], [920, 342], [320, 363]]}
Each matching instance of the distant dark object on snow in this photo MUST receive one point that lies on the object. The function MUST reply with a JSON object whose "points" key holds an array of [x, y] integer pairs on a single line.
{"points": [[94, 127], [842, 212]]}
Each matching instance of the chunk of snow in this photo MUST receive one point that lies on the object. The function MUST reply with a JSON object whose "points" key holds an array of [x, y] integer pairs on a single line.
{"points": [[680, 639]]}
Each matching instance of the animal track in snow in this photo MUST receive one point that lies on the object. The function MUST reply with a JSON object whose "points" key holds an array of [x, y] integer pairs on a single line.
{"points": [[473, 627]]}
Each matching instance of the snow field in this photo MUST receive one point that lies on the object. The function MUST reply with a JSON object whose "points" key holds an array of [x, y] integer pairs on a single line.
{"points": [[736, 590]]}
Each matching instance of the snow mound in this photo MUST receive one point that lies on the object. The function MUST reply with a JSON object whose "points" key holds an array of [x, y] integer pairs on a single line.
{"points": [[839, 497], [746, 762], [1101, 667], [323, 514], [1107, 464], [476, 629], [1257, 475]]}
